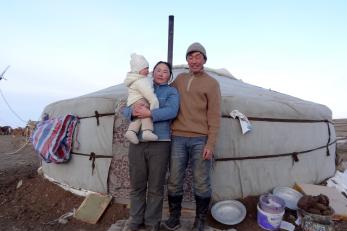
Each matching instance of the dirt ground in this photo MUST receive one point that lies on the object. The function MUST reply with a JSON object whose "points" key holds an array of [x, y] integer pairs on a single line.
{"points": [[29, 202], [37, 203]]}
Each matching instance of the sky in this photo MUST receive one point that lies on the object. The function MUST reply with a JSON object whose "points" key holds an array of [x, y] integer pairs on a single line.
{"points": [[60, 49]]}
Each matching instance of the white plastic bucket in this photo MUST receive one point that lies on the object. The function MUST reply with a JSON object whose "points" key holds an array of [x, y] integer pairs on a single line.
{"points": [[269, 221]]}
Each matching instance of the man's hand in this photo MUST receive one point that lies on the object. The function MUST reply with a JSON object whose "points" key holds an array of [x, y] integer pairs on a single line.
{"points": [[207, 154]]}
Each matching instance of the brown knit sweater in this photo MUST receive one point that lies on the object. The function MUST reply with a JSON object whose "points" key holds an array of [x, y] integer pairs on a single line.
{"points": [[200, 107]]}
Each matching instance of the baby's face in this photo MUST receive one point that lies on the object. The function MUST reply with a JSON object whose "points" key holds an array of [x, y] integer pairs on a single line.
{"points": [[144, 71]]}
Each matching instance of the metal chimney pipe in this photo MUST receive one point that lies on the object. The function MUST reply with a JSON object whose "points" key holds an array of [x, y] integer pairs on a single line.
{"points": [[170, 39]]}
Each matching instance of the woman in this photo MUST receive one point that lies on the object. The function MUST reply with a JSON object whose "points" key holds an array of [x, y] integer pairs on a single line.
{"points": [[148, 160]]}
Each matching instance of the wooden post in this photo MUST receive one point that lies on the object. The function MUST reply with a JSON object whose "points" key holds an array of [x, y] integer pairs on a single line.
{"points": [[170, 39]]}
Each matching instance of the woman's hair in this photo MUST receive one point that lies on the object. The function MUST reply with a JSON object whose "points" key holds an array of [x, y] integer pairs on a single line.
{"points": [[167, 64]]}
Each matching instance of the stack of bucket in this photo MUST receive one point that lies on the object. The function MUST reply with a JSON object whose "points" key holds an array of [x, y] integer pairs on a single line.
{"points": [[270, 211]]}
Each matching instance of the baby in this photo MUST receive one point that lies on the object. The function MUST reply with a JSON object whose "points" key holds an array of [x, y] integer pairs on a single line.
{"points": [[140, 90]]}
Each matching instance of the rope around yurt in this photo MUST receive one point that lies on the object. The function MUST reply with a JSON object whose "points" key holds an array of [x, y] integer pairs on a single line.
{"points": [[293, 154]]}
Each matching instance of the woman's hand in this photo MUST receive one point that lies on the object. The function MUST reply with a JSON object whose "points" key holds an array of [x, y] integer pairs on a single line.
{"points": [[141, 111]]}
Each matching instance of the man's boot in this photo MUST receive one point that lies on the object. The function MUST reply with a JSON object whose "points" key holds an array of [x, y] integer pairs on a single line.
{"points": [[202, 206], [173, 222]]}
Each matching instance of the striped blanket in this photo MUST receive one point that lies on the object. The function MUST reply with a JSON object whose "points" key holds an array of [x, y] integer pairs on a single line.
{"points": [[52, 138]]}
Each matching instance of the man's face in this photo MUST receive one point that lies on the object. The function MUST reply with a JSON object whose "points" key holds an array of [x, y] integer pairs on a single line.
{"points": [[196, 61]]}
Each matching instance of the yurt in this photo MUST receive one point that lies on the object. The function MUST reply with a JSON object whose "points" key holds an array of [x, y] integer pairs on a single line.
{"points": [[290, 140]]}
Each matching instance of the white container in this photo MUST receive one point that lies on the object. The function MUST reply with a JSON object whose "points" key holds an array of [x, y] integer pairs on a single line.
{"points": [[289, 195], [269, 221]]}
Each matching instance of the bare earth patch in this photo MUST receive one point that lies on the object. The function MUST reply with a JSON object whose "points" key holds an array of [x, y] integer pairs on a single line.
{"points": [[37, 201]]}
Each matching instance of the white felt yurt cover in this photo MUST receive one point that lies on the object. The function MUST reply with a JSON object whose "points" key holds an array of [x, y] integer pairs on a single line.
{"points": [[295, 134]]}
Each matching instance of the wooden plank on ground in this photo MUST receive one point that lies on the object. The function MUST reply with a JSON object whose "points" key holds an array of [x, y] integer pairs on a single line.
{"points": [[92, 208]]}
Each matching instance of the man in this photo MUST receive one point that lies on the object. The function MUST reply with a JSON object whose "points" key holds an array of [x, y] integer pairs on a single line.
{"points": [[194, 134]]}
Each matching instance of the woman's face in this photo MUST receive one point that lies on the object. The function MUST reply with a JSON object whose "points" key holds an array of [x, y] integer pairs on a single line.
{"points": [[161, 74]]}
